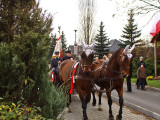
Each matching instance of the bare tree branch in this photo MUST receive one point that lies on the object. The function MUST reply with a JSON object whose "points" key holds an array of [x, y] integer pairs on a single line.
{"points": [[150, 4], [87, 12], [149, 19]]}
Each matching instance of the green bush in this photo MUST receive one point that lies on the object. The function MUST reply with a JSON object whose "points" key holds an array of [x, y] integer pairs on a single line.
{"points": [[58, 98], [19, 111], [24, 46], [11, 73], [150, 66]]}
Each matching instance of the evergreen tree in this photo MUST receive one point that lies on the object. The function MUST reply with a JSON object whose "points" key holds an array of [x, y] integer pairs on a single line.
{"points": [[24, 46], [101, 43], [64, 44], [53, 44], [130, 32]]}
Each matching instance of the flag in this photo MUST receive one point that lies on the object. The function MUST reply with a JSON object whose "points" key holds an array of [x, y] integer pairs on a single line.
{"points": [[58, 47], [156, 25]]}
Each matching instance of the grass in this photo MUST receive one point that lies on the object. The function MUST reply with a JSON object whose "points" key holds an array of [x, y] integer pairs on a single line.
{"points": [[151, 83]]}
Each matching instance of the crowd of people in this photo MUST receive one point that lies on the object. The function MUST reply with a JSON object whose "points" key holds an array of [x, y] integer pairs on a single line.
{"points": [[141, 69]]}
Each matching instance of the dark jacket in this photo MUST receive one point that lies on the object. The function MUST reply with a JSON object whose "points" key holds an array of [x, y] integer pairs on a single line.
{"points": [[65, 58], [140, 63], [141, 73], [54, 62]]}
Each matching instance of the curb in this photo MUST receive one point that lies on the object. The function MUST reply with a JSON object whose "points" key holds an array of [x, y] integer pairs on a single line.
{"points": [[138, 108], [150, 88]]}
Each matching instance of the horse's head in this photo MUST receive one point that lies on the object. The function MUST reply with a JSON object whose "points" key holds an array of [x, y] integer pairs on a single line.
{"points": [[125, 60], [87, 57]]}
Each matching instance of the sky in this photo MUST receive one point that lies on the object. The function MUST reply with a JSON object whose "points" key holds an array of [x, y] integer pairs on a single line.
{"points": [[66, 14]]}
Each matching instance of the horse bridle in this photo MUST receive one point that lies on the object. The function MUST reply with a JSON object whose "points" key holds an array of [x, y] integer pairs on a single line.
{"points": [[83, 66], [123, 68]]}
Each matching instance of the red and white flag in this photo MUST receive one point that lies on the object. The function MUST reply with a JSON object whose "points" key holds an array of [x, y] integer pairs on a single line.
{"points": [[58, 47], [156, 25]]}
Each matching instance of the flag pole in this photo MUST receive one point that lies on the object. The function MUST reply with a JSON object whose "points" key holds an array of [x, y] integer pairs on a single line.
{"points": [[61, 52], [155, 52]]}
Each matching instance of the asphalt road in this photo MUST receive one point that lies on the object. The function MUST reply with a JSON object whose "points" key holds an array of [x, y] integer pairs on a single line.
{"points": [[148, 99]]}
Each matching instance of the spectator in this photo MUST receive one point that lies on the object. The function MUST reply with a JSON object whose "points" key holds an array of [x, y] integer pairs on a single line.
{"points": [[141, 62], [141, 76], [138, 66]]}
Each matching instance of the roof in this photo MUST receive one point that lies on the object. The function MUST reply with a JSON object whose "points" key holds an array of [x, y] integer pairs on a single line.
{"points": [[156, 37], [114, 45]]}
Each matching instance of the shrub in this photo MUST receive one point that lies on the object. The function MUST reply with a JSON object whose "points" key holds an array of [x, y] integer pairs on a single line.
{"points": [[24, 46], [150, 78], [19, 111], [150, 66]]}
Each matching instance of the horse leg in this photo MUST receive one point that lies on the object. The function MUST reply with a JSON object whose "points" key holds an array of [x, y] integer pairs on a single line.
{"points": [[120, 94], [100, 96], [110, 106], [94, 98], [84, 106], [85, 98], [68, 103]]}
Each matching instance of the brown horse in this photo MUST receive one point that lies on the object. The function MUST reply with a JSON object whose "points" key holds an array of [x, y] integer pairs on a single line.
{"points": [[111, 76], [83, 79], [65, 72]]}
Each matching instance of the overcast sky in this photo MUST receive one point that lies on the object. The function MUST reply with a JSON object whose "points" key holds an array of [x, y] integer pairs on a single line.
{"points": [[66, 15]]}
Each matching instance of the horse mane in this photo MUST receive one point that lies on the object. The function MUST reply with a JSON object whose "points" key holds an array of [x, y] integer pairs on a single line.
{"points": [[115, 55]]}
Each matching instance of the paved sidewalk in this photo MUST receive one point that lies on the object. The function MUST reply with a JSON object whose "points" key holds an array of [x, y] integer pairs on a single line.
{"points": [[148, 99], [94, 114]]}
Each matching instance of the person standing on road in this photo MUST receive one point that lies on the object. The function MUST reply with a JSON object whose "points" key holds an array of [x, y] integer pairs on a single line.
{"points": [[129, 86], [141, 62], [141, 76]]}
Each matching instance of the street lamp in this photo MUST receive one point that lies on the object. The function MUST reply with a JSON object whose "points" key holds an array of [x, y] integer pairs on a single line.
{"points": [[59, 28], [75, 46], [75, 35]]}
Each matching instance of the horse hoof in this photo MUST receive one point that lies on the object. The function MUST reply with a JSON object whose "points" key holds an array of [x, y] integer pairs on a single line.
{"points": [[118, 117], [100, 108], [93, 104], [111, 118], [85, 118], [69, 110]]}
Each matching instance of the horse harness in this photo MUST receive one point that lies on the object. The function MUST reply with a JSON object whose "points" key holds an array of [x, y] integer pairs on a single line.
{"points": [[91, 79]]}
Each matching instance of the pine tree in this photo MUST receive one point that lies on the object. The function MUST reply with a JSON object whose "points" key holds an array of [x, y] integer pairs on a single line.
{"points": [[130, 32], [101, 43], [64, 44], [53, 44], [24, 46]]}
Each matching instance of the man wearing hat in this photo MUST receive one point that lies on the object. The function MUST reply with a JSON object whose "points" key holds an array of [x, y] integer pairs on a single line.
{"points": [[55, 63], [67, 56]]}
